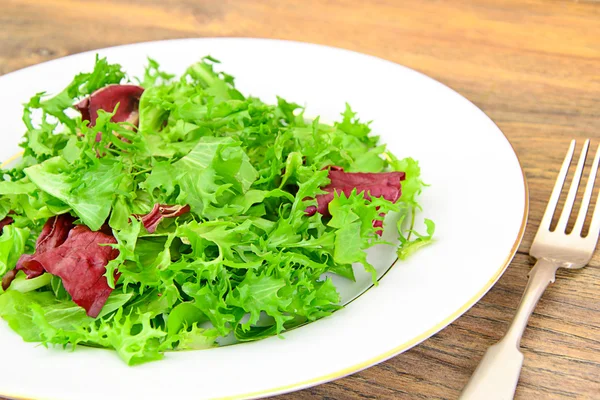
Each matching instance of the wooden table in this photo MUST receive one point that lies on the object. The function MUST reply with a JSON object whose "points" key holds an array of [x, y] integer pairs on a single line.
{"points": [[532, 66]]}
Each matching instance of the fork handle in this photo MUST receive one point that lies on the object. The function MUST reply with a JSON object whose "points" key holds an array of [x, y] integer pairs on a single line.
{"points": [[497, 374]]}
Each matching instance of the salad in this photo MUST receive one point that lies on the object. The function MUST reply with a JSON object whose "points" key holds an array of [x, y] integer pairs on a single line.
{"points": [[165, 213]]}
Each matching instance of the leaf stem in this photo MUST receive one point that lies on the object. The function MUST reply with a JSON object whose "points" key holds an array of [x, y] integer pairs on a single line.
{"points": [[412, 222]]}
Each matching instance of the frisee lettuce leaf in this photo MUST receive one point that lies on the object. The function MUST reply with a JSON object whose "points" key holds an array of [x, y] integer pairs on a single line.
{"points": [[408, 247]]}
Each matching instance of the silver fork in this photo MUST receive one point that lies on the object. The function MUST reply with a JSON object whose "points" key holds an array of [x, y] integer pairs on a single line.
{"points": [[498, 372]]}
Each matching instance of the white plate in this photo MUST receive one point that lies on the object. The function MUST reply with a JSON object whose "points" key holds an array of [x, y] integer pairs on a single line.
{"points": [[478, 199]]}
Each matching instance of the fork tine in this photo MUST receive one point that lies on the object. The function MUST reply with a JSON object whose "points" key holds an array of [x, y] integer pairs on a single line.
{"points": [[560, 181], [595, 226], [566, 213], [587, 196]]}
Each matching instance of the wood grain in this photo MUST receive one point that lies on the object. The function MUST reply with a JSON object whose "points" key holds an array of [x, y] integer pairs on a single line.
{"points": [[532, 66]]}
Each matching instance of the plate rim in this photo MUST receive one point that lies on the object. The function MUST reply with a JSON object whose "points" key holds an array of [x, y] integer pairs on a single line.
{"points": [[402, 347]]}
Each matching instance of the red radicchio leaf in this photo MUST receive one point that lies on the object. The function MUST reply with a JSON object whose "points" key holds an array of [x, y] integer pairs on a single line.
{"points": [[107, 98], [8, 278], [5, 221], [160, 211], [78, 256], [54, 233], [384, 184], [81, 263], [378, 224]]}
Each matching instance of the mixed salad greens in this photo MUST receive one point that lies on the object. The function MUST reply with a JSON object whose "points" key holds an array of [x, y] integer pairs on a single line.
{"points": [[167, 214]]}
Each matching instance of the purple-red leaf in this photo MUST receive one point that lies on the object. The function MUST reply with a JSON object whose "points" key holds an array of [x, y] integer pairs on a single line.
{"points": [[8, 278], [107, 98], [5, 221], [54, 233], [81, 263], [160, 211], [383, 184], [78, 256]]}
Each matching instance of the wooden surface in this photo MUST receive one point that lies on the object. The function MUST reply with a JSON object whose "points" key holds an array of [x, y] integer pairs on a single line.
{"points": [[532, 66]]}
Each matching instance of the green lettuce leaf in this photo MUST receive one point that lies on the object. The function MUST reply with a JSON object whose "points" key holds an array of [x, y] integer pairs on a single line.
{"points": [[17, 309], [12, 246], [89, 193]]}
